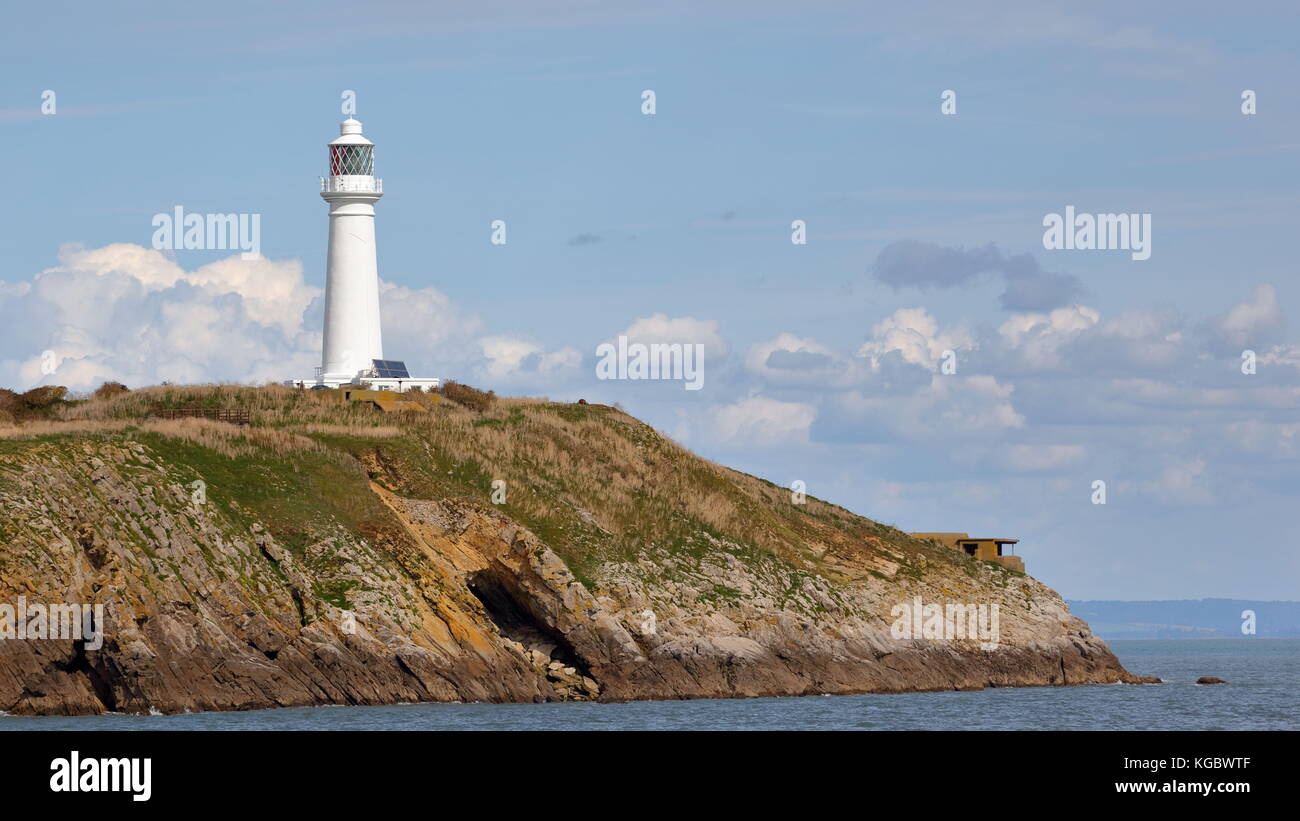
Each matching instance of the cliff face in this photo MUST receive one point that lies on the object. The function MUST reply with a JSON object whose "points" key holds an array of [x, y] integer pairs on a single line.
{"points": [[329, 556]]}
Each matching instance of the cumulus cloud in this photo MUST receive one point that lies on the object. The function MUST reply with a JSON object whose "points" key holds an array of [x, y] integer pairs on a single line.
{"points": [[1135, 382], [127, 313], [514, 358], [788, 359], [973, 403], [761, 421], [1254, 324], [1134, 341], [1141, 342], [916, 264], [662, 328], [915, 335], [947, 408], [783, 360], [424, 319], [1038, 338]]}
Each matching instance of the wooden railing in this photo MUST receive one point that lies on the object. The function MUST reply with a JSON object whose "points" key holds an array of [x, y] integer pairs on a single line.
{"points": [[237, 416]]}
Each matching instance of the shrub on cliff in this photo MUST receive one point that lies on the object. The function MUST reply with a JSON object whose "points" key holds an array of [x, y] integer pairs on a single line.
{"points": [[110, 389], [43, 397], [10, 404], [37, 403], [469, 397]]}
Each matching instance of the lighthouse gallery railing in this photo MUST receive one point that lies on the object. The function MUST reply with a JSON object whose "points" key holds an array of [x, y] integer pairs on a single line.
{"points": [[350, 184]]}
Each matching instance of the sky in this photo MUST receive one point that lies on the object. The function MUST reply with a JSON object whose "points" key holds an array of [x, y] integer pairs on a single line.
{"points": [[824, 361]]}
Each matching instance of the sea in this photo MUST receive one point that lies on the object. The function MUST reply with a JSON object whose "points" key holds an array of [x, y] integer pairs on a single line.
{"points": [[1262, 693]]}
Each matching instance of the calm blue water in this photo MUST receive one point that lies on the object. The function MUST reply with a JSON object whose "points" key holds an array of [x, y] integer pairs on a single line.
{"points": [[1263, 692]]}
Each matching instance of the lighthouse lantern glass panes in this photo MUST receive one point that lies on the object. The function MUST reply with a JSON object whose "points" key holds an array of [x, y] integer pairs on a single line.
{"points": [[352, 160]]}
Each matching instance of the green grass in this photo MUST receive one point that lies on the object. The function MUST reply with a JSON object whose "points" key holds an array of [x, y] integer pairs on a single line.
{"points": [[285, 493]]}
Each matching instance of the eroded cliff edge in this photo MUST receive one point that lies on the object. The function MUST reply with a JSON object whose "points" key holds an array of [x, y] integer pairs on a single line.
{"points": [[330, 555]]}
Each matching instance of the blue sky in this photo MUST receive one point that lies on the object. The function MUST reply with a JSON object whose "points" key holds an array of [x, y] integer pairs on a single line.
{"points": [[676, 227]]}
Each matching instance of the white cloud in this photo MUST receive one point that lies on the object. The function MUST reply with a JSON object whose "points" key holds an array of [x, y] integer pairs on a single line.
{"points": [[660, 327], [915, 335], [973, 403], [761, 421], [1182, 483], [788, 359], [1266, 439], [1285, 355], [128, 313], [949, 406], [425, 327], [1249, 324], [508, 357], [1038, 338], [152, 269]]}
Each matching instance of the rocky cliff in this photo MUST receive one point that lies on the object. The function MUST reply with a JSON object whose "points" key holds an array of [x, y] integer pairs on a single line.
{"points": [[523, 551]]}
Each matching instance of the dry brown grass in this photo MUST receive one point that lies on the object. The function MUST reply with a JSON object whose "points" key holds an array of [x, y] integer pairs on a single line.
{"points": [[232, 441], [557, 459], [365, 431], [34, 430], [269, 406], [229, 440]]}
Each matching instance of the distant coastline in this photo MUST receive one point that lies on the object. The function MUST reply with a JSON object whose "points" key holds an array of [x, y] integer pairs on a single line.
{"points": [[1189, 618]]}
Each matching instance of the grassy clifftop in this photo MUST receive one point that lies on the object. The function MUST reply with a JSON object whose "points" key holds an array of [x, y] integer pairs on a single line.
{"points": [[597, 485]]}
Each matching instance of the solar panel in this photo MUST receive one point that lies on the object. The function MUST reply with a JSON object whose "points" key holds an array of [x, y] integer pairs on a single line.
{"points": [[390, 369]]}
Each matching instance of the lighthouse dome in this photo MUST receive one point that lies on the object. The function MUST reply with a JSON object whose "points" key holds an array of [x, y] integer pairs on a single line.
{"points": [[350, 133]]}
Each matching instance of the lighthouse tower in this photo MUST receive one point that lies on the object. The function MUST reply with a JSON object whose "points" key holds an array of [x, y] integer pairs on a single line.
{"points": [[353, 350], [353, 338]]}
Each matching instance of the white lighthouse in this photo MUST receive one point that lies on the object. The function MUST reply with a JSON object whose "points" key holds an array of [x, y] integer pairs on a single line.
{"points": [[353, 350]]}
